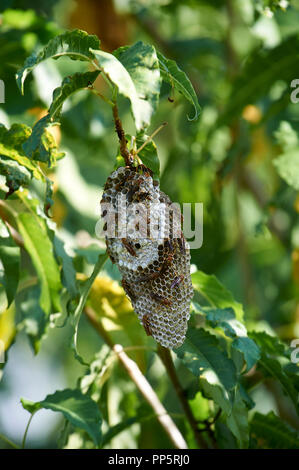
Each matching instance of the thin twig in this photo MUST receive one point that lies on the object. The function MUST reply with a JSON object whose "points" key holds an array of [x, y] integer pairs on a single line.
{"points": [[9, 442], [166, 358], [151, 137], [142, 384]]}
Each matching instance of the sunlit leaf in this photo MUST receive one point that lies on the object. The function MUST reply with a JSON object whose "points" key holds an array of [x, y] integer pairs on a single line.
{"points": [[10, 259], [41, 144], [202, 355], [80, 410], [271, 364], [40, 250], [137, 77], [75, 44], [216, 294], [233, 328], [237, 420], [172, 74], [70, 85], [273, 433]]}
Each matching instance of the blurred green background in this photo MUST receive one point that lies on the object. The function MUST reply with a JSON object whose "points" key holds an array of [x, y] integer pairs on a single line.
{"points": [[241, 58]]}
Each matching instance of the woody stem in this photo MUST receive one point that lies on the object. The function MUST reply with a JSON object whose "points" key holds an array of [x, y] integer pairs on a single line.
{"points": [[121, 137]]}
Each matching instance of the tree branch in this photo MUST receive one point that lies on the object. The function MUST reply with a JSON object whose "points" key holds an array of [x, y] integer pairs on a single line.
{"points": [[121, 137], [142, 384], [166, 358]]}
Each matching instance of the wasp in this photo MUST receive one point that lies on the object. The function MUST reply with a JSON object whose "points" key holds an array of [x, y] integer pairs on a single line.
{"points": [[128, 290], [147, 324], [129, 246], [169, 244], [181, 242], [161, 270], [177, 281], [161, 299], [119, 185], [146, 171]]}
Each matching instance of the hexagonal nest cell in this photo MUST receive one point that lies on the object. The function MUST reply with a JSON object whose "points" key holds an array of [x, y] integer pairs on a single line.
{"points": [[144, 239]]}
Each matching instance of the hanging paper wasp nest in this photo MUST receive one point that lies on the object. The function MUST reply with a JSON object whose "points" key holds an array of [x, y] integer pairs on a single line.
{"points": [[144, 238]]}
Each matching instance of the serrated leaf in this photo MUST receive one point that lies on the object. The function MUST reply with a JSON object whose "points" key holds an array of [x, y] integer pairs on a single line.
{"points": [[15, 174], [216, 294], [272, 351], [80, 410], [40, 249], [237, 420], [270, 344], [70, 85], [31, 317], [137, 77], [75, 44], [11, 141], [273, 433], [41, 144], [141, 61], [68, 270], [249, 349], [10, 259], [202, 355], [172, 74], [226, 320]]}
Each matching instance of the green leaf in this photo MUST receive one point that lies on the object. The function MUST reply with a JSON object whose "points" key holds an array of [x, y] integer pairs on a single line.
{"points": [[287, 166], [172, 74], [15, 174], [48, 198], [10, 259], [237, 421], [270, 345], [225, 438], [70, 85], [271, 362], [149, 154], [75, 44], [11, 141], [273, 433], [136, 77], [40, 249], [41, 144], [249, 350], [29, 405], [118, 428], [202, 355], [226, 320], [216, 294], [80, 410], [141, 62], [31, 317], [68, 270]]}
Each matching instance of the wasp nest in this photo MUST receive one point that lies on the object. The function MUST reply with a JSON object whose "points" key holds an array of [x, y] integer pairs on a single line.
{"points": [[144, 238]]}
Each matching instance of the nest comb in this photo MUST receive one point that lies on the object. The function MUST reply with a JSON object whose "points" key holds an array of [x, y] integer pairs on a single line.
{"points": [[144, 239]]}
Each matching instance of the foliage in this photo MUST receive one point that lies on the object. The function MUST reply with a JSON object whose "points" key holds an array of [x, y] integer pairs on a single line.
{"points": [[236, 151]]}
